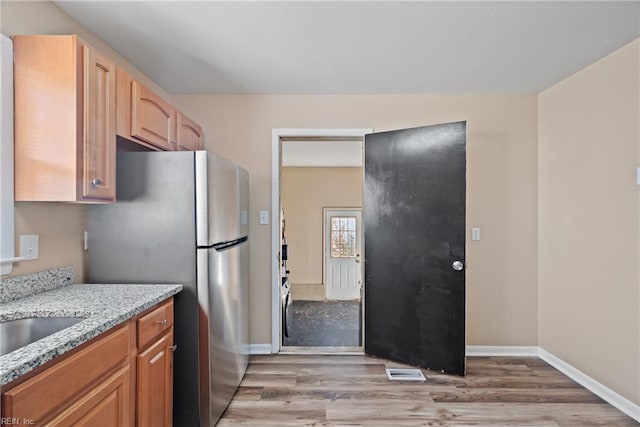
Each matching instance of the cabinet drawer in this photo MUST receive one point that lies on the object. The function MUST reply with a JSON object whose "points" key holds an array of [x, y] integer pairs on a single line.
{"points": [[154, 323], [48, 392]]}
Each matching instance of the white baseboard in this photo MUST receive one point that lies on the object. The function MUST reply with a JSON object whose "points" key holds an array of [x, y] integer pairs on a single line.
{"points": [[260, 349], [597, 388], [513, 351]]}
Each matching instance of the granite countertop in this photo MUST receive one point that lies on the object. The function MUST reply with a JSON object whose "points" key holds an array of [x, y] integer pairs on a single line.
{"points": [[103, 306]]}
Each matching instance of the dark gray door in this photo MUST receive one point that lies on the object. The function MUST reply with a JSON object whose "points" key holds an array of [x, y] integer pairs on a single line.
{"points": [[414, 225]]}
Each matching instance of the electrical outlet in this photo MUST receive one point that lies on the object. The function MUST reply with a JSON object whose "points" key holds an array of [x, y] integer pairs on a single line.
{"points": [[264, 217], [475, 233], [29, 244]]}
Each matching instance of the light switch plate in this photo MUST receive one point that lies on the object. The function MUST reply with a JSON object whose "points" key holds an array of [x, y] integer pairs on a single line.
{"points": [[475, 233], [264, 217], [29, 246]]}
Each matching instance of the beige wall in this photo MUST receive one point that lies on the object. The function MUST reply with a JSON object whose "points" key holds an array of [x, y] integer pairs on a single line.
{"points": [[501, 177], [305, 191], [60, 226], [589, 281]]}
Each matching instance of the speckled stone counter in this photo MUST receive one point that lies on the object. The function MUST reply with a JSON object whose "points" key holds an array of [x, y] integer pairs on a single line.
{"points": [[16, 287], [104, 307]]}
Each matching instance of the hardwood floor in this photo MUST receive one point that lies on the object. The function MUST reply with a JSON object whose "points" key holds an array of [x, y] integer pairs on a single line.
{"points": [[335, 390]]}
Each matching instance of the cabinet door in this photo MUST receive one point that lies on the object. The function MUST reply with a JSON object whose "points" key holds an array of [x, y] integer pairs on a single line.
{"points": [[106, 405], [152, 118], [189, 134], [155, 384], [99, 126]]}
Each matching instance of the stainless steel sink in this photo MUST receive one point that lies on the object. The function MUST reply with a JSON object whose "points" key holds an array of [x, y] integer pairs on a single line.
{"points": [[20, 332]]}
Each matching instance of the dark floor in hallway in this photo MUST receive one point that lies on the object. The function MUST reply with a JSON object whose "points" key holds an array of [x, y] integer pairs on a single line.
{"points": [[324, 324]]}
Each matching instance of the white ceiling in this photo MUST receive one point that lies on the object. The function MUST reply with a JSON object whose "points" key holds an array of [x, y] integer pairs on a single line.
{"points": [[324, 47]]}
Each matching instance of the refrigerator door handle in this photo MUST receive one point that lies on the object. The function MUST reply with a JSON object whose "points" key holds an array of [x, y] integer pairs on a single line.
{"points": [[229, 244]]}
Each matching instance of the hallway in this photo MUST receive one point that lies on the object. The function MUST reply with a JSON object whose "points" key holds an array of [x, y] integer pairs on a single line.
{"points": [[324, 324]]}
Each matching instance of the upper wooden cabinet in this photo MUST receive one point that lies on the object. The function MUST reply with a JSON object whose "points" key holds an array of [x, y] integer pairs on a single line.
{"points": [[189, 133], [143, 116], [65, 120], [70, 103], [150, 121], [152, 118], [99, 99]]}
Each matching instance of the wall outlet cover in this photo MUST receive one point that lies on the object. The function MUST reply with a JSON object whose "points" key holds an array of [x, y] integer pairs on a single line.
{"points": [[475, 233], [29, 246], [264, 217]]}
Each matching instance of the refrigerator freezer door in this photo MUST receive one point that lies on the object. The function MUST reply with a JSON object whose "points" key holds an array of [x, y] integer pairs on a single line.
{"points": [[217, 200], [222, 327]]}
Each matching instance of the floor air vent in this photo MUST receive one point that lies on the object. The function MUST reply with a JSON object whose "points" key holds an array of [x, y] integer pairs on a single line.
{"points": [[405, 374]]}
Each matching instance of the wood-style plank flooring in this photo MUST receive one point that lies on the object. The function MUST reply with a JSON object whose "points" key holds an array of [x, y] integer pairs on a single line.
{"points": [[337, 390]]}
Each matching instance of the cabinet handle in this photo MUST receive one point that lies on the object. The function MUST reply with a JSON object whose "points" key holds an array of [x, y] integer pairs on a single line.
{"points": [[96, 181], [162, 322], [174, 347]]}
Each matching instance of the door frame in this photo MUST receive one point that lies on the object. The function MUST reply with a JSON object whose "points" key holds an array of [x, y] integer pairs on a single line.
{"points": [[360, 232], [276, 205]]}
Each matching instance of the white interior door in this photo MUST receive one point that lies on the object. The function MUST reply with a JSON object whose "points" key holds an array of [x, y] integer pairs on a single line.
{"points": [[343, 242]]}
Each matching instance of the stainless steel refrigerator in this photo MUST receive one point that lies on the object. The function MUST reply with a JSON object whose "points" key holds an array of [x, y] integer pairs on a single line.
{"points": [[181, 217]]}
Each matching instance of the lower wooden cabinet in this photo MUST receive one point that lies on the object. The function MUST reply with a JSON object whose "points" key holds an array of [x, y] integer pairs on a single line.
{"points": [[106, 405], [110, 381], [155, 384], [43, 396]]}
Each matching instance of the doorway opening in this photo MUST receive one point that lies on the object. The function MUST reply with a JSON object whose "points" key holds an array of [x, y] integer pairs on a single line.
{"points": [[328, 314], [413, 204], [318, 193]]}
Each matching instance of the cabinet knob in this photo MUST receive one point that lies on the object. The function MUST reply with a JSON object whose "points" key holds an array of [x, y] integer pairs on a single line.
{"points": [[162, 322], [96, 181], [174, 347]]}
